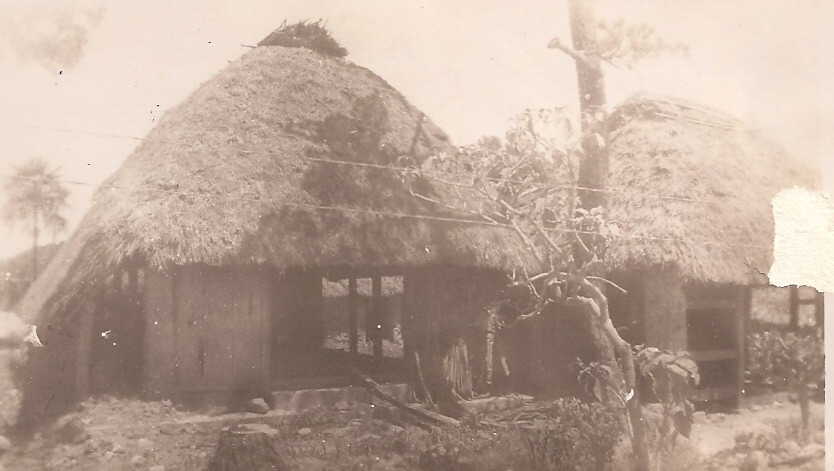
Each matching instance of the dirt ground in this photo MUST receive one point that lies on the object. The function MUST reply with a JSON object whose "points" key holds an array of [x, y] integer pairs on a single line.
{"points": [[111, 434], [126, 434]]}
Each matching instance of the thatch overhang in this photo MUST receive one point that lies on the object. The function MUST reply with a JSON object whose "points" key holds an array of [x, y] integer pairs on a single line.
{"points": [[717, 177]]}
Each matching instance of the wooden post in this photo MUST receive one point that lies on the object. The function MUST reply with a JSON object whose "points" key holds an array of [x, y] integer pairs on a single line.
{"points": [[794, 307], [742, 316], [406, 318], [352, 314], [133, 330], [85, 349], [376, 316], [819, 310]]}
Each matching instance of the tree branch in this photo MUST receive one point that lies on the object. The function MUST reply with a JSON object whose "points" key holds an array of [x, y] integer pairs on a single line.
{"points": [[621, 347], [578, 56]]}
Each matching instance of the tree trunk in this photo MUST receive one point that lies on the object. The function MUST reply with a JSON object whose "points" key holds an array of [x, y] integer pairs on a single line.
{"points": [[593, 170], [247, 448], [620, 357], [593, 173]]}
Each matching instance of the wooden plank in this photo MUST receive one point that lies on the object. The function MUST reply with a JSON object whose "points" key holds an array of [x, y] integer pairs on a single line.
{"points": [[353, 316], [159, 347], [819, 311], [85, 348], [713, 355], [714, 393], [377, 314], [715, 303], [406, 318], [742, 314]]}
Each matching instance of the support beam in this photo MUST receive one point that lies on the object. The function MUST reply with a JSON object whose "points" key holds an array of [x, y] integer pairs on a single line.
{"points": [[819, 310], [794, 307], [353, 316]]}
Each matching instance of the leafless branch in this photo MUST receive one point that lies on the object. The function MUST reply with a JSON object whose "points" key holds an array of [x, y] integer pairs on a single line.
{"points": [[578, 56], [526, 241], [608, 282]]}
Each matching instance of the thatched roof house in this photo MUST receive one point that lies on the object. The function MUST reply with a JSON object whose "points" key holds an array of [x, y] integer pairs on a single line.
{"points": [[235, 205], [691, 189]]}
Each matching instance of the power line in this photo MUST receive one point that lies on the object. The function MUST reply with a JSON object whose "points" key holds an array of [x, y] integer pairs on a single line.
{"points": [[401, 215], [433, 175], [508, 226], [82, 131], [436, 176]]}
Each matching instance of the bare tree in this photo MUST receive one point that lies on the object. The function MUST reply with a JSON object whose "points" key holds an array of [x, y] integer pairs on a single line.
{"points": [[546, 183]]}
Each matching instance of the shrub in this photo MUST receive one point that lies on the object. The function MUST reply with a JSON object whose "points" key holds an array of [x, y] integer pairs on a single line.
{"points": [[793, 359], [470, 449], [572, 435]]}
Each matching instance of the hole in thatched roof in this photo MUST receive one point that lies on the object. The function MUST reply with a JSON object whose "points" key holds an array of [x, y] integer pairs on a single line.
{"points": [[309, 34]]}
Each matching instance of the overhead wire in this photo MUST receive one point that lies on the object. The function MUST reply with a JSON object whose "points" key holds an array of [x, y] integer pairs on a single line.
{"points": [[435, 176]]}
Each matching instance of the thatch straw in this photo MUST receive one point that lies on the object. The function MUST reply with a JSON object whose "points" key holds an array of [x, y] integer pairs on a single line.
{"points": [[312, 35], [666, 146]]}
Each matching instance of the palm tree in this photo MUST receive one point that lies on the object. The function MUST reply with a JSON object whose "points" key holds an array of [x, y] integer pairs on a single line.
{"points": [[36, 197]]}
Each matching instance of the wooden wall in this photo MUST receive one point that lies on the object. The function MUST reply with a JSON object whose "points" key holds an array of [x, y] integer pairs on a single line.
{"points": [[207, 329], [664, 307]]}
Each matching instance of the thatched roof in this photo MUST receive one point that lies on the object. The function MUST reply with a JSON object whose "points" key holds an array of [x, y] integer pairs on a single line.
{"points": [[670, 147], [232, 175]]}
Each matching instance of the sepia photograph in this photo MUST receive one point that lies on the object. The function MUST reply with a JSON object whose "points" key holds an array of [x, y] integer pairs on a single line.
{"points": [[293, 235]]}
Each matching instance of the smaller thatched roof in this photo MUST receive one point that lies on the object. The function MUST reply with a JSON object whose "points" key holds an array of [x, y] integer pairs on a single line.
{"points": [[718, 177]]}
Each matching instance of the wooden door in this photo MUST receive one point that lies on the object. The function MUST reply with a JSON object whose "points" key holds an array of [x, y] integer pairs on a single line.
{"points": [[222, 329]]}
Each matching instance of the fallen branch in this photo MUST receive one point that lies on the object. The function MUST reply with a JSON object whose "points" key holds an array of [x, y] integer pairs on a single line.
{"points": [[426, 415]]}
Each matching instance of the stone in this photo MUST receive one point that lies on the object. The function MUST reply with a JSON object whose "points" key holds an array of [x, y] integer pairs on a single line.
{"points": [[819, 436], [755, 461], [158, 467], [137, 460], [396, 429], [305, 431], [342, 406], [70, 429], [814, 450], [144, 444], [257, 406], [5, 444], [791, 447], [170, 429]]}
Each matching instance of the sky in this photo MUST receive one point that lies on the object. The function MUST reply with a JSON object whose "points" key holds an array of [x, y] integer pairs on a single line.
{"points": [[84, 80]]}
